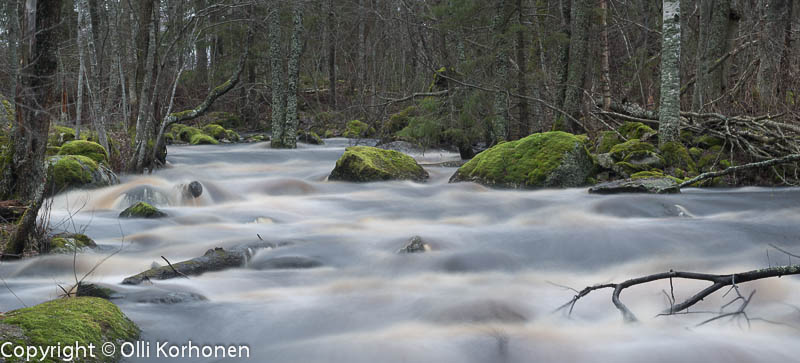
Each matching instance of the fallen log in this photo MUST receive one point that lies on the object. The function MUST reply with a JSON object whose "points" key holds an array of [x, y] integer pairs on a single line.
{"points": [[759, 164]]}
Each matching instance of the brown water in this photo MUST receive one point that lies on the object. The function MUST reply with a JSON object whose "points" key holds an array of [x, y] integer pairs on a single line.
{"points": [[484, 294]]}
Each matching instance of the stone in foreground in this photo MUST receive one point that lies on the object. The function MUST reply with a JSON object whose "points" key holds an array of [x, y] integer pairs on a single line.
{"points": [[142, 210], [545, 160], [368, 164], [645, 185]]}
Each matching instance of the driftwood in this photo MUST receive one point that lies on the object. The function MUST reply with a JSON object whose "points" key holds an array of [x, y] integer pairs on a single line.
{"points": [[717, 282], [733, 169]]}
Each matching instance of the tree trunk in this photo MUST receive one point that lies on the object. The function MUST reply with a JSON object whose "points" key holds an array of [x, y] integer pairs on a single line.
{"points": [[578, 61], [95, 94], [290, 133], [604, 56], [499, 129], [771, 49], [524, 126], [201, 49], [712, 45], [332, 54], [276, 63], [36, 100], [144, 19], [670, 105]]}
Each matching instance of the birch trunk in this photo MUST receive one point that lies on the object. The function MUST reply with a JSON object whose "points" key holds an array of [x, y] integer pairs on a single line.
{"points": [[670, 105], [499, 125], [276, 63], [290, 133]]}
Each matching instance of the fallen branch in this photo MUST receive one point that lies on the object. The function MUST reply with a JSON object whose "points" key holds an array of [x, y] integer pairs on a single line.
{"points": [[718, 282], [173, 268], [759, 164]]}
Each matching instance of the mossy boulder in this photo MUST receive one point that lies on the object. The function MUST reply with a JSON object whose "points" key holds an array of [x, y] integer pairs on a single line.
{"points": [[676, 157], [620, 151], [142, 210], [169, 138], [227, 120], [186, 133], [233, 136], [78, 171], [707, 141], [655, 174], [203, 139], [52, 150], [71, 242], [309, 137], [367, 164], [644, 160], [356, 129], [636, 130], [65, 322], [90, 149], [215, 131], [606, 140], [549, 159], [60, 134]]}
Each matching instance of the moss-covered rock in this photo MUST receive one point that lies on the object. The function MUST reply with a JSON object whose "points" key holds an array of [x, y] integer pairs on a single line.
{"points": [[169, 138], [550, 159], [357, 129], [606, 140], [52, 150], [233, 136], [620, 151], [366, 164], [654, 174], [142, 210], [71, 242], [707, 141], [309, 137], [710, 158], [644, 160], [90, 149], [215, 131], [65, 322], [78, 171], [676, 157], [203, 139], [60, 134], [227, 120], [329, 134], [636, 130], [186, 133]]}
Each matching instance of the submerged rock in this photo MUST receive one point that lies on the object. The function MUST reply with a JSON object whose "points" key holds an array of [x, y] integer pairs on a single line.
{"points": [[194, 189], [286, 262], [652, 185], [309, 137], [93, 290], [146, 193], [415, 245], [70, 243], [85, 320], [550, 159], [366, 164], [77, 171], [142, 210]]}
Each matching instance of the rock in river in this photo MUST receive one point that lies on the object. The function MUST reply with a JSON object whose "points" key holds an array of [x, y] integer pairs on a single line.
{"points": [[367, 164], [644, 185]]}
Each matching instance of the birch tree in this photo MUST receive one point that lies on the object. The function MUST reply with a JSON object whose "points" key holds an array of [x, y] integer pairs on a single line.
{"points": [[94, 87], [276, 65], [290, 130], [500, 120], [670, 105]]}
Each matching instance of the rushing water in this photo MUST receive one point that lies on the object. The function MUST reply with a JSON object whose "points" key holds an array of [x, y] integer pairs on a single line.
{"points": [[485, 293]]}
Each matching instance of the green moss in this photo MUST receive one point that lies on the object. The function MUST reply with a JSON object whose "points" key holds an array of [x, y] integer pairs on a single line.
{"points": [[89, 149], [365, 164], [356, 129], [169, 137], [186, 133], [606, 140], [215, 131], [142, 210], [227, 120], [687, 137], [203, 139], [309, 137], [68, 243], [60, 134], [677, 156], [696, 153], [81, 320], [73, 170], [52, 150], [636, 130], [654, 174], [232, 135], [547, 159], [707, 141], [329, 134], [399, 120], [706, 161], [620, 151]]}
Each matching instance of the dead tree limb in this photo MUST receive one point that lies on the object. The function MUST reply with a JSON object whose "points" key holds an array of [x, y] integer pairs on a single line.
{"points": [[759, 164], [717, 282]]}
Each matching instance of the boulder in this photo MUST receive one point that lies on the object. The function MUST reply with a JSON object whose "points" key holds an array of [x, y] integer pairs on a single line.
{"points": [[309, 137], [545, 160], [142, 210], [215, 131], [202, 139], [90, 149], [356, 129], [65, 322], [71, 243], [77, 171], [367, 164], [415, 245], [651, 185]]}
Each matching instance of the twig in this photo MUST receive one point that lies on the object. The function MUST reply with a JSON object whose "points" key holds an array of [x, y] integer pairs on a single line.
{"points": [[173, 268]]}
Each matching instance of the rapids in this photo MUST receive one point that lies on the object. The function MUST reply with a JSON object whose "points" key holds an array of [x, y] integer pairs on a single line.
{"points": [[486, 293]]}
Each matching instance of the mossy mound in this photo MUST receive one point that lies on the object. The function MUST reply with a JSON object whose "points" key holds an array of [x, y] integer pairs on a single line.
{"points": [[356, 129], [78, 171], [226, 120], [232, 135], [203, 139], [654, 174], [606, 140], [69, 243], [676, 157], [550, 159], [65, 322], [90, 149], [186, 133], [620, 151], [215, 131], [366, 164], [707, 141], [60, 134], [142, 210], [310, 137], [636, 130]]}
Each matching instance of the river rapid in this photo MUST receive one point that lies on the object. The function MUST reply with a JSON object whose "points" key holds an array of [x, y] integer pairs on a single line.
{"points": [[486, 292]]}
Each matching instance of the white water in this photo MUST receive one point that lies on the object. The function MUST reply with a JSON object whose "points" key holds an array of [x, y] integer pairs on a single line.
{"points": [[484, 294]]}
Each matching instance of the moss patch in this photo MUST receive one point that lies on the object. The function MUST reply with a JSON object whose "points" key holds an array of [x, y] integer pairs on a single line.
{"points": [[85, 320], [676, 156], [232, 135], [357, 129], [89, 149], [68, 243], [142, 210], [310, 137], [215, 131], [606, 140], [186, 133], [636, 130], [60, 134], [654, 174], [73, 171], [365, 164], [203, 139], [550, 159], [620, 151]]}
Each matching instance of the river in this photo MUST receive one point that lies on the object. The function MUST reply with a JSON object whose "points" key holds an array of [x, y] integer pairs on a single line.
{"points": [[486, 292]]}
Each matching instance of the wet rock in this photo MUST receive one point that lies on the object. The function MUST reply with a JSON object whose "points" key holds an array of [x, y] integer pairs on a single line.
{"points": [[194, 189], [145, 193], [415, 245], [544, 160], [71, 243], [309, 137], [367, 164], [286, 262], [158, 296], [92, 290], [644, 185], [77, 171], [142, 210]]}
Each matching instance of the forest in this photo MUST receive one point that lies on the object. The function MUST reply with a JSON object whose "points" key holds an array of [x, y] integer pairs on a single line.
{"points": [[399, 180]]}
